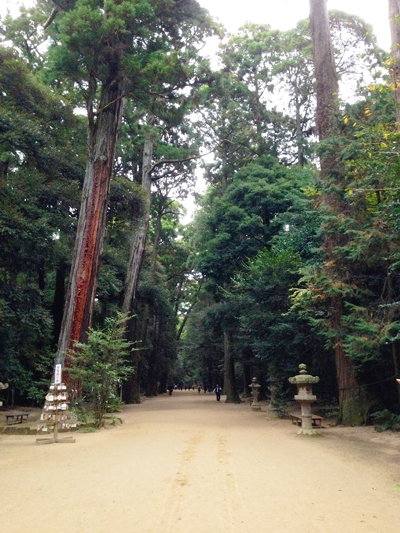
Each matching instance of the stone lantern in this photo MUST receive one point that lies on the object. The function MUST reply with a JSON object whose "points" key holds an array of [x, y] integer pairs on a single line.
{"points": [[255, 406], [305, 397]]}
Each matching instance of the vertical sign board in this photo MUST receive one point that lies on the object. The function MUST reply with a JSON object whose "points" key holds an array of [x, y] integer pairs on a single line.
{"points": [[58, 374]]}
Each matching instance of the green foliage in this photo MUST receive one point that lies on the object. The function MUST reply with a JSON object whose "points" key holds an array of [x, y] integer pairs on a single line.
{"points": [[385, 420], [101, 365], [40, 171], [26, 33], [357, 54], [247, 217], [363, 267]]}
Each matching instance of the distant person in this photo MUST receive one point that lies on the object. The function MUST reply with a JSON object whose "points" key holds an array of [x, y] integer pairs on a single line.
{"points": [[170, 389], [199, 389], [217, 391]]}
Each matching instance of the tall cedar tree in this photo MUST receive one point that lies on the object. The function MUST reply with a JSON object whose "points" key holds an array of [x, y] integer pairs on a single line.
{"points": [[104, 42], [327, 91], [394, 19]]}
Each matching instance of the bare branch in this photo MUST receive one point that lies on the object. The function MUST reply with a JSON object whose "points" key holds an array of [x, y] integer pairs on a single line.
{"points": [[168, 161]]}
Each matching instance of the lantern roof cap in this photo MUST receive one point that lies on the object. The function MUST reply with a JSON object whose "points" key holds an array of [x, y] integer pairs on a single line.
{"points": [[303, 377]]}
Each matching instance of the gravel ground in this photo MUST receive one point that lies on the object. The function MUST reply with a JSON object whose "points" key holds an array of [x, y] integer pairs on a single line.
{"points": [[186, 463]]}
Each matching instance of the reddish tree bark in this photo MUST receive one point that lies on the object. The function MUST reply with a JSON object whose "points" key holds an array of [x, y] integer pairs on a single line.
{"points": [[230, 388], [102, 138]]}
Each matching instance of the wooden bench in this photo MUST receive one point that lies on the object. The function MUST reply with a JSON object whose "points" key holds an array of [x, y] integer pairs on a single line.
{"points": [[17, 419], [296, 419]]}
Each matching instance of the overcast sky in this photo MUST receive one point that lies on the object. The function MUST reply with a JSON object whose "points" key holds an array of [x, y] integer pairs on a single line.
{"points": [[281, 14], [284, 14]]}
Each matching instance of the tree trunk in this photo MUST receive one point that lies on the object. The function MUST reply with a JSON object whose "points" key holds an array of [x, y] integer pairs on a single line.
{"points": [[58, 301], [131, 389], [41, 276], [153, 356], [230, 389], [394, 19], [349, 391], [132, 385], [151, 389], [247, 378], [188, 312], [351, 405], [140, 229], [102, 139], [163, 382], [325, 71], [299, 132], [396, 363]]}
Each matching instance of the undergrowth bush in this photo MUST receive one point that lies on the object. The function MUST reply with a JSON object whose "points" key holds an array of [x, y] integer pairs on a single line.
{"points": [[101, 366], [386, 420]]}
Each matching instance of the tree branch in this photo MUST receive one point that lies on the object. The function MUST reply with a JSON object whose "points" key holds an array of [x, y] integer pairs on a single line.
{"points": [[168, 161], [99, 111], [52, 16]]}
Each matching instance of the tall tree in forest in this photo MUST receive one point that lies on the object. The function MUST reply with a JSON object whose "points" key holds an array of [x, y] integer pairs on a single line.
{"points": [[293, 73], [325, 72], [230, 128], [101, 45], [103, 73], [167, 139], [394, 19], [332, 175]]}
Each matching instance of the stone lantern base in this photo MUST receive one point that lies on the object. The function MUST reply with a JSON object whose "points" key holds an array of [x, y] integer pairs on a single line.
{"points": [[273, 412], [308, 432]]}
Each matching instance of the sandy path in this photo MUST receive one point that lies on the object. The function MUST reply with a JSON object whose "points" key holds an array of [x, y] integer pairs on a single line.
{"points": [[186, 463]]}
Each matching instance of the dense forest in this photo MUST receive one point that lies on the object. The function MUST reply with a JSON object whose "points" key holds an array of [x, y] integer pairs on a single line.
{"points": [[110, 111]]}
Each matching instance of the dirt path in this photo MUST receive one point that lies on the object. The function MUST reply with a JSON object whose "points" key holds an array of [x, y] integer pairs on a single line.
{"points": [[186, 463]]}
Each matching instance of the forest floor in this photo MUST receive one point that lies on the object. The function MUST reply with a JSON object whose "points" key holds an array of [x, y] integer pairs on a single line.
{"points": [[186, 463]]}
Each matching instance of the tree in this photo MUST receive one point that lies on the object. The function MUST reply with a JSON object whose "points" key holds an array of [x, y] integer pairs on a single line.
{"points": [[27, 34], [394, 18], [337, 280], [327, 107], [41, 163], [169, 137], [101, 46], [325, 71]]}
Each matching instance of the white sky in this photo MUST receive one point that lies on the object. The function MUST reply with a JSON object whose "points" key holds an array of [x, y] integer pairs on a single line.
{"points": [[279, 14], [284, 14]]}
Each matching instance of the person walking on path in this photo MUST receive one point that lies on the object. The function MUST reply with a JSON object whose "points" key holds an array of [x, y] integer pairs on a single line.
{"points": [[217, 391]]}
